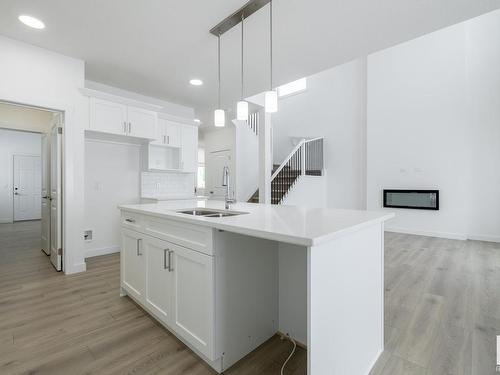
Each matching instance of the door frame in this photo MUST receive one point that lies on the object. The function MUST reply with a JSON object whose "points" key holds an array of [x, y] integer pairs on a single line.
{"points": [[67, 115], [13, 172]]}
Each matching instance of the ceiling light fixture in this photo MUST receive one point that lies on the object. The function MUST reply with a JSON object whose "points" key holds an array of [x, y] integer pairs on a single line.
{"points": [[31, 21], [219, 115], [242, 106], [271, 96], [196, 82]]}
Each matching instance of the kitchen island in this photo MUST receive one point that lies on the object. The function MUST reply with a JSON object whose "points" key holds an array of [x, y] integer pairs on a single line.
{"points": [[225, 284]]}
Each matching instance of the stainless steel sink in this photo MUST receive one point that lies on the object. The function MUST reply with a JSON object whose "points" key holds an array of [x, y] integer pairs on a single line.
{"points": [[210, 213]]}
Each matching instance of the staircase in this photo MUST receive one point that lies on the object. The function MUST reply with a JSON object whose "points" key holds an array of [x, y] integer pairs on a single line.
{"points": [[305, 159]]}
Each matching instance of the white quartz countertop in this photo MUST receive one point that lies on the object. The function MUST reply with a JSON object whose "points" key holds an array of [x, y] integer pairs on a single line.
{"points": [[292, 224]]}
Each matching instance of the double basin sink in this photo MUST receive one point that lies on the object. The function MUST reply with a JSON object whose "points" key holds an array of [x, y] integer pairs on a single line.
{"points": [[206, 212]]}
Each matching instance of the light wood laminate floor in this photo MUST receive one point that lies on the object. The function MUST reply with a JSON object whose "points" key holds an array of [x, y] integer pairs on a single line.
{"points": [[442, 315]]}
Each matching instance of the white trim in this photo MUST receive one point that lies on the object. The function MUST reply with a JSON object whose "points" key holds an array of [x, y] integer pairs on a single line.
{"points": [[119, 99], [484, 237], [79, 267], [5, 221], [102, 251], [452, 236]]}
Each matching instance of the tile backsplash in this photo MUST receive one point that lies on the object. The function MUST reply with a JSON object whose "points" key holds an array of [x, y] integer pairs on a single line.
{"points": [[167, 184]]}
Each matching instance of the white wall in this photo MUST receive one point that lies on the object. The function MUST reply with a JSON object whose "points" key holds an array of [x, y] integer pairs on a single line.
{"points": [[112, 177], [483, 59], [247, 161], [31, 75], [23, 118], [218, 140], [308, 191], [417, 129], [433, 122], [333, 107], [13, 143]]}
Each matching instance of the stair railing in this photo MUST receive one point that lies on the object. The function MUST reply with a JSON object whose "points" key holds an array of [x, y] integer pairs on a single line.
{"points": [[305, 159], [253, 122]]}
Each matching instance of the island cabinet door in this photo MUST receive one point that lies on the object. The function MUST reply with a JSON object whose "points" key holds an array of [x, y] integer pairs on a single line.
{"points": [[193, 292], [158, 278], [133, 264]]}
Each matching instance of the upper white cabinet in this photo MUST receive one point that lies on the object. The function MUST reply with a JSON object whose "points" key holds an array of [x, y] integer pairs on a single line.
{"points": [[189, 151], [108, 117], [173, 134], [142, 123], [116, 118], [169, 133], [175, 149]]}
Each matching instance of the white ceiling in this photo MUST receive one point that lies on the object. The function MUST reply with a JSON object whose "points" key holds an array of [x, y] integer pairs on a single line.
{"points": [[154, 47]]}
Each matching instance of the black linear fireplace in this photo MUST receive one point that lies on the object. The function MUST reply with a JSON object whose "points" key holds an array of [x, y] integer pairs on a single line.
{"points": [[416, 199]]}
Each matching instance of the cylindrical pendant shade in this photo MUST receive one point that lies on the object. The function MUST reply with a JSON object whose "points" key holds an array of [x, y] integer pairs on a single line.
{"points": [[271, 101], [242, 110], [219, 118]]}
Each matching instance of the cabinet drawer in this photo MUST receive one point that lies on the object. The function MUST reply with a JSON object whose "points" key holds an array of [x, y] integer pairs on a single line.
{"points": [[195, 237], [132, 221]]}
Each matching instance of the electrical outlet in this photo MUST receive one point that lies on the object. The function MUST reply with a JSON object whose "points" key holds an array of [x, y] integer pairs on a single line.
{"points": [[87, 235]]}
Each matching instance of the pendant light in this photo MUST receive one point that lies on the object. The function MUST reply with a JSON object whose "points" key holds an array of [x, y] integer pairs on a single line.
{"points": [[219, 115], [242, 106], [271, 96]]}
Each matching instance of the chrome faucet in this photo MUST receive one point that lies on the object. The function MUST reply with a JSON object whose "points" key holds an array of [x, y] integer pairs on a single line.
{"points": [[225, 182]]}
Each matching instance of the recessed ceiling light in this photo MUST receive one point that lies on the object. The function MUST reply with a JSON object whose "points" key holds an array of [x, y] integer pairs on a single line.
{"points": [[31, 21], [197, 120], [196, 82]]}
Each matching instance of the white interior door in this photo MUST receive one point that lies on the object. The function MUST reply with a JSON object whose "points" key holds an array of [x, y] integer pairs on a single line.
{"points": [[27, 187], [45, 194], [56, 197]]}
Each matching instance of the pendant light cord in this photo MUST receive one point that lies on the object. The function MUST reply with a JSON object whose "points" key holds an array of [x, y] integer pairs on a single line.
{"points": [[271, 40], [218, 64], [242, 19]]}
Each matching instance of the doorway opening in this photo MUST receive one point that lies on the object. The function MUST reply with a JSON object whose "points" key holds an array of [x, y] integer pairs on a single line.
{"points": [[31, 179]]}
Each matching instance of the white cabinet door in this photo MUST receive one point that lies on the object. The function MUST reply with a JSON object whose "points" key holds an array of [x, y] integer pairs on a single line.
{"points": [[158, 278], [133, 264], [108, 117], [193, 292], [189, 158], [161, 133], [173, 133], [142, 123]]}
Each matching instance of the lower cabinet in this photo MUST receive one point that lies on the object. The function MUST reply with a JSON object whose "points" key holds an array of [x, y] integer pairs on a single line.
{"points": [[173, 283], [158, 278], [194, 300], [133, 268]]}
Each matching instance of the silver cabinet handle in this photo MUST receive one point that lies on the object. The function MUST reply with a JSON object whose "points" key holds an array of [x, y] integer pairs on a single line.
{"points": [[124, 126], [170, 268], [168, 139], [130, 220], [165, 251], [138, 246]]}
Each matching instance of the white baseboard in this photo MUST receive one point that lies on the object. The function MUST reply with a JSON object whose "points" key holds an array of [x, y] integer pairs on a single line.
{"points": [[5, 221], [77, 268], [484, 237], [102, 251], [451, 236]]}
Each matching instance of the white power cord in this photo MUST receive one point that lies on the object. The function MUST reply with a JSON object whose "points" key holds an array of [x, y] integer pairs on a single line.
{"points": [[291, 354]]}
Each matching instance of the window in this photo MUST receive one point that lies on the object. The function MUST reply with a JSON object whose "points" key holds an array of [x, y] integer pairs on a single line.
{"points": [[200, 181]]}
